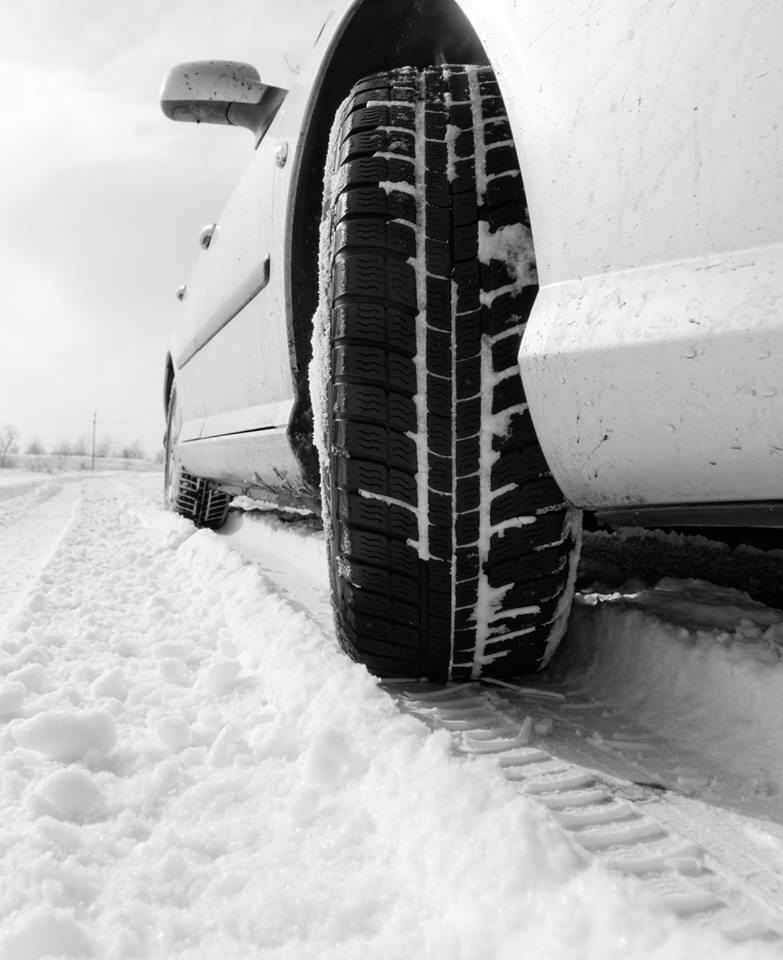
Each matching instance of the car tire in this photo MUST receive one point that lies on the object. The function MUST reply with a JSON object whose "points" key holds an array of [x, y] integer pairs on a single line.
{"points": [[189, 496], [452, 551]]}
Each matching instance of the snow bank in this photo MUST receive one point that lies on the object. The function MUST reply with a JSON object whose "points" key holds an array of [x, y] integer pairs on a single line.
{"points": [[701, 666], [192, 769], [14, 482], [18, 494]]}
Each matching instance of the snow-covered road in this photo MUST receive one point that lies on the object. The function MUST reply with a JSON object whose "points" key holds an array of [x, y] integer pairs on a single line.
{"points": [[189, 766]]}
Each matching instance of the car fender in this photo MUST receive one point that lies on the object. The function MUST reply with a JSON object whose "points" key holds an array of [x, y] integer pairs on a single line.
{"points": [[649, 143]]}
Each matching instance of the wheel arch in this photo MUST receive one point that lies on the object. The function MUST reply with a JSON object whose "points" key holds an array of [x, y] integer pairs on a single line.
{"points": [[374, 36], [168, 381]]}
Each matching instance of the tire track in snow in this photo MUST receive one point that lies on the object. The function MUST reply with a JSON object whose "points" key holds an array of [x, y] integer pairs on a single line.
{"points": [[17, 499], [33, 524], [700, 865]]}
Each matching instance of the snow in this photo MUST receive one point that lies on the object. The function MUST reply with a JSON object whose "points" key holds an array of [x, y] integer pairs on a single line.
{"points": [[111, 684], [45, 933], [421, 436], [513, 246], [320, 364], [190, 767], [688, 655], [478, 133], [12, 696], [16, 493], [66, 736], [14, 482], [67, 794]]}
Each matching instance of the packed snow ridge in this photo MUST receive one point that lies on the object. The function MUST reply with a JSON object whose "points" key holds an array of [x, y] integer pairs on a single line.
{"points": [[191, 768]]}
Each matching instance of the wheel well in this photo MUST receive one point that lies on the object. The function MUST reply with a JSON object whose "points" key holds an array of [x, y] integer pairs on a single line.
{"points": [[379, 36], [168, 380]]}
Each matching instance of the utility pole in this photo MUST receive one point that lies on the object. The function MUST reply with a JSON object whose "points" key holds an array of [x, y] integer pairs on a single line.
{"points": [[94, 418]]}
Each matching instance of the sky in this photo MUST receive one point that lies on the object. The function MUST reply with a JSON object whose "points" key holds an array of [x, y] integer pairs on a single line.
{"points": [[103, 197]]}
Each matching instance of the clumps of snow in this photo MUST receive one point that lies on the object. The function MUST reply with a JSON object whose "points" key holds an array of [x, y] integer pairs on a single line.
{"points": [[37, 602], [111, 683], [12, 696], [251, 504], [221, 676], [320, 364], [70, 794], [59, 735], [480, 146], [33, 676], [398, 186], [45, 932], [176, 671], [330, 760], [512, 245], [420, 436], [173, 733], [228, 746], [452, 132]]}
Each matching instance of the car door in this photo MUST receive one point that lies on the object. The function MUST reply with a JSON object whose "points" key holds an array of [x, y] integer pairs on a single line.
{"points": [[238, 354]]}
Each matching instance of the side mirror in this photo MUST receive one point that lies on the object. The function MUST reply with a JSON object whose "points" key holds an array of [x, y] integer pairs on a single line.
{"points": [[220, 91]]}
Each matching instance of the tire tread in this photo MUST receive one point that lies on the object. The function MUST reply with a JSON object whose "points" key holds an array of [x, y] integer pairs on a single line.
{"points": [[398, 612]]}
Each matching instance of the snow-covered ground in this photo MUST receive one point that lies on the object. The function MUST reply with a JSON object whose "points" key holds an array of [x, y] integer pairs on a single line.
{"points": [[190, 767]]}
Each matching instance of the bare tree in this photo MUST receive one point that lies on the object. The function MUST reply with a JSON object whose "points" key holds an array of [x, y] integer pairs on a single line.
{"points": [[8, 437], [80, 448], [103, 448], [35, 447], [62, 448], [132, 451]]}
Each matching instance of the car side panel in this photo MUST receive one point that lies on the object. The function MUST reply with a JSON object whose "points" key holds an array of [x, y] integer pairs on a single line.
{"points": [[241, 357], [668, 387]]}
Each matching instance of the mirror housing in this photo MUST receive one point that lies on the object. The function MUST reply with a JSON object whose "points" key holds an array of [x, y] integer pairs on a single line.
{"points": [[220, 91]]}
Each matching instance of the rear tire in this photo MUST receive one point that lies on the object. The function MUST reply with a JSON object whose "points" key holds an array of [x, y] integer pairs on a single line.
{"points": [[189, 496], [452, 550]]}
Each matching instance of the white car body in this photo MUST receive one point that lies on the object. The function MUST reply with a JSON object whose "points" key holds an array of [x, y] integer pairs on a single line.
{"points": [[650, 147], [649, 143]]}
